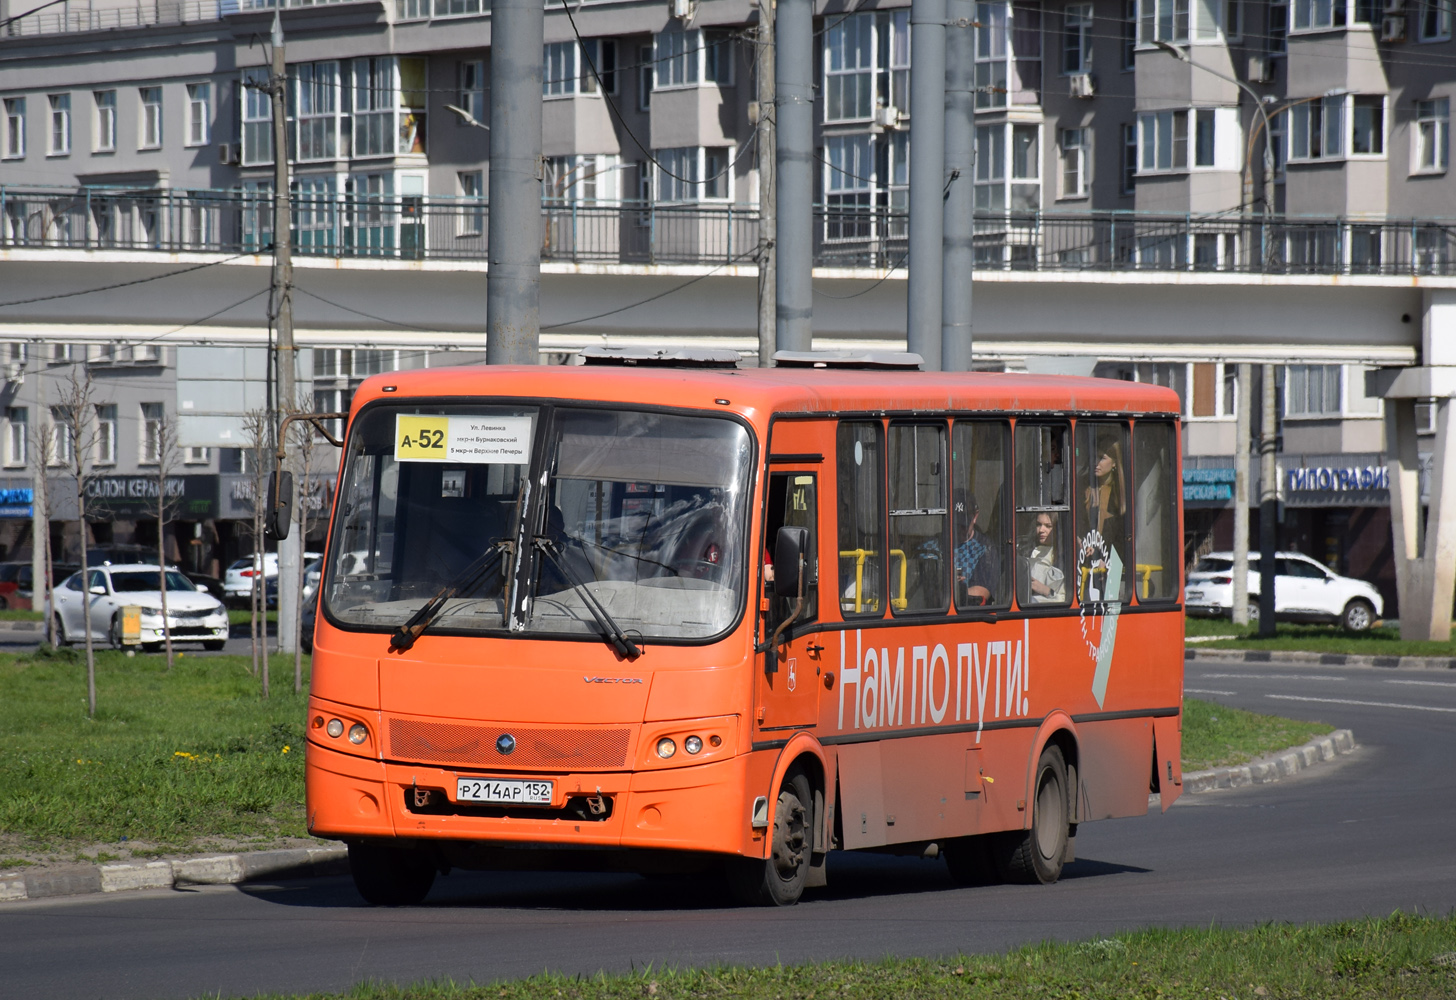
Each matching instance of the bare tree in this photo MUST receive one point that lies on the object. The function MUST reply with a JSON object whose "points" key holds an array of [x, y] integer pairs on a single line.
{"points": [[39, 453], [78, 411], [256, 425], [163, 448]]}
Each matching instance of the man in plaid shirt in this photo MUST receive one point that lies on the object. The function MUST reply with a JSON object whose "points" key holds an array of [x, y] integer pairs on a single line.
{"points": [[977, 563]]}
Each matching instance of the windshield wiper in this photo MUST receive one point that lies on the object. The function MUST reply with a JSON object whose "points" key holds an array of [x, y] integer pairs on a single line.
{"points": [[612, 632], [464, 582]]}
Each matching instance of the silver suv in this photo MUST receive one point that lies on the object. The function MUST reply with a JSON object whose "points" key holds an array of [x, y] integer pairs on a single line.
{"points": [[1304, 591]]}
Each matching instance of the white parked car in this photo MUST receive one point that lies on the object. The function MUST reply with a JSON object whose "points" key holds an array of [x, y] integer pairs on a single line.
{"points": [[1304, 591], [193, 615], [237, 583]]}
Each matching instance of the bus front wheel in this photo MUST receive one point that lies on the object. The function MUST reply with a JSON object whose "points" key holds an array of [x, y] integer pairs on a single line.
{"points": [[779, 879], [390, 876], [1035, 855]]}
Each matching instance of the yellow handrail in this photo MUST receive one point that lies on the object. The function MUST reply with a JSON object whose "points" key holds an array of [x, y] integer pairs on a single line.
{"points": [[859, 556]]}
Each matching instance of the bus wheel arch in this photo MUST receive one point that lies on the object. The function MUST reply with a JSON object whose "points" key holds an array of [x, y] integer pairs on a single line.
{"points": [[1037, 852], [796, 824]]}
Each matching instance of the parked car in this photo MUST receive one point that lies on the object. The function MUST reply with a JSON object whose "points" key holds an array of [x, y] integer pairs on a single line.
{"points": [[96, 605], [238, 580], [1304, 591], [17, 583], [211, 584]]}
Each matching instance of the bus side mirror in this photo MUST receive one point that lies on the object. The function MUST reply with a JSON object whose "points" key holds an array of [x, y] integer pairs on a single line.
{"points": [[278, 515], [790, 549]]}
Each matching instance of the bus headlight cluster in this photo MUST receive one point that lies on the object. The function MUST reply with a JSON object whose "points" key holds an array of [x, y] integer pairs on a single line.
{"points": [[358, 732]]}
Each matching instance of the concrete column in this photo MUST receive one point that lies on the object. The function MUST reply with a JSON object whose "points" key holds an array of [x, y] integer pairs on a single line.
{"points": [[1404, 472], [767, 190], [927, 178], [794, 156], [513, 282], [1241, 495], [958, 256]]}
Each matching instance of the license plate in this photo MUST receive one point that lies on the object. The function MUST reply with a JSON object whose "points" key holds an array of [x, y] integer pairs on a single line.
{"points": [[536, 793], [1195, 595]]}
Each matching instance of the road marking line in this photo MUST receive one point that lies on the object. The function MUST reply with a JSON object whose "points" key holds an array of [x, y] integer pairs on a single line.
{"points": [[1206, 691], [1434, 684], [1370, 704], [1273, 677]]}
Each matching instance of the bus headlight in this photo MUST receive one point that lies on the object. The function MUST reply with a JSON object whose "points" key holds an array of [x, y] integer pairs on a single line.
{"points": [[693, 745], [666, 748], [335, 728], [357, 733]]}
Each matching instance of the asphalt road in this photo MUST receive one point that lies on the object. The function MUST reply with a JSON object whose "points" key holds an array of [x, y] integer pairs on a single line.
{"points": [[1367, 834]]}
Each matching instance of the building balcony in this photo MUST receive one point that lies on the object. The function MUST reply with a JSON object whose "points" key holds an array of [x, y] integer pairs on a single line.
{"points": [[418, 228]]}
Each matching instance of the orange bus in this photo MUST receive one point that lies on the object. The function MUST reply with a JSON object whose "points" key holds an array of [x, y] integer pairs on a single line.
{"points": [[662, 614]]}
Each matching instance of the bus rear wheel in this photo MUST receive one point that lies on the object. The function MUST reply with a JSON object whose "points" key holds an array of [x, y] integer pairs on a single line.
{"points": [[779, 879], [1035, 855], [390, 876]]}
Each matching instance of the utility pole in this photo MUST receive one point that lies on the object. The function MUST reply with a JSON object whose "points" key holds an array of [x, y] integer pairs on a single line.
{"points": [[927, 179], [767, 209], [290, 548], [1241, 495], [958, 254], [1268, 509], [513, 281], [794, 158]]}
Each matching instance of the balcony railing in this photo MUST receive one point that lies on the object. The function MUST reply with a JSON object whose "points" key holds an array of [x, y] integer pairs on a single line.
{"points": [[443, 228]]}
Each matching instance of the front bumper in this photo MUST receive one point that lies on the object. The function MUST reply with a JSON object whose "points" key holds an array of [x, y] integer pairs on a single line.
{"points": [[194, 629]]}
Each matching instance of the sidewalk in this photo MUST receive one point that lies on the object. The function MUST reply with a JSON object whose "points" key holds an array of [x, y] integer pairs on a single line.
{"points": [[1198, 654]]}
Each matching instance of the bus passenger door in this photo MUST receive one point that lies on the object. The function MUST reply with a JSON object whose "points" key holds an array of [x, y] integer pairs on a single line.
{"points": [[790, 662]]}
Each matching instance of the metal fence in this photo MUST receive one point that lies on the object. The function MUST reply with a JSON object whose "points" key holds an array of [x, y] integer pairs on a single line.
{"points": [[442, 228]]}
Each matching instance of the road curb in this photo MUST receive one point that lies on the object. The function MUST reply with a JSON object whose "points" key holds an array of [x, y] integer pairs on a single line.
{"points": [[219, 869], [1269, 769], [1319, 659], [28, 627]]}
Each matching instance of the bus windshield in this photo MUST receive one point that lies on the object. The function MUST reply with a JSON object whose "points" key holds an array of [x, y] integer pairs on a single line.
{"points": [[643, 515]]}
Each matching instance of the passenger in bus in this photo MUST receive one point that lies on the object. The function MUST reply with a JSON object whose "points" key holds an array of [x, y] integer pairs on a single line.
{"points": [[1046, 581], [1105, 501], [977, 563], [1054, 472]]}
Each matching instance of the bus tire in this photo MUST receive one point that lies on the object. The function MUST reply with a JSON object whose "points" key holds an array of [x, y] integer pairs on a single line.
{"points": [[779, 879], [1035, 855], [390, 876], [970, 861]]}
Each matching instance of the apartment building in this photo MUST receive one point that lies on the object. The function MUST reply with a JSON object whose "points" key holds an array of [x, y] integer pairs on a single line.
{"points": [[1110, 133]]}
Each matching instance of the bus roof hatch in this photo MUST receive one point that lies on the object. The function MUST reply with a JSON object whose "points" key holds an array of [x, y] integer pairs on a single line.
{"points": [[882, 360], [644, 357]]}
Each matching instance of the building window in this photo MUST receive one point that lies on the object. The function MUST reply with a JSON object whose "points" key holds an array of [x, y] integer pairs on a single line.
{"points": [[471, 95], [849, 69], [151, 123], [1318, 15], [456, 8], [678, 174], [676, 57], [1367, 125], [1311, 390], [257, 118], [105, 120], [14, 128], [63, 437], [1008, 167], [1077, 38], [1162, 21], [1074, 142], [1129, 34], [199, 113], [1163, 141], [17, 436], [106, 434], [413, 104], [1233, 20], [718, 58], [60, 124], [1317, 129], [1436, 20], [316, 105], [558, 69], [1129, 158], [599, 54], [849, 185], [151, 433], [1279, 142], [718, 173], [193, 455], [472, 196], [374, 104], [646, 74], [1203, 126], [1278, 27], [1432, 135], [1008, 55]]}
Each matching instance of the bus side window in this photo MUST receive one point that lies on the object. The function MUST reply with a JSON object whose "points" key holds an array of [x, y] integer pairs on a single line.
{"points": [[1042, 515], [1103, 572], [980, 556], [918, 509], [860, 452], [792, 501], [1155, 509]]}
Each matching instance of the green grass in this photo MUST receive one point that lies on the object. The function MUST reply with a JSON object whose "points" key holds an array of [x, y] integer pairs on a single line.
{"points": [[241, 616], [1400, 957], [17, 615], [1384, 640], [168, 759], [1219, 736]]}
